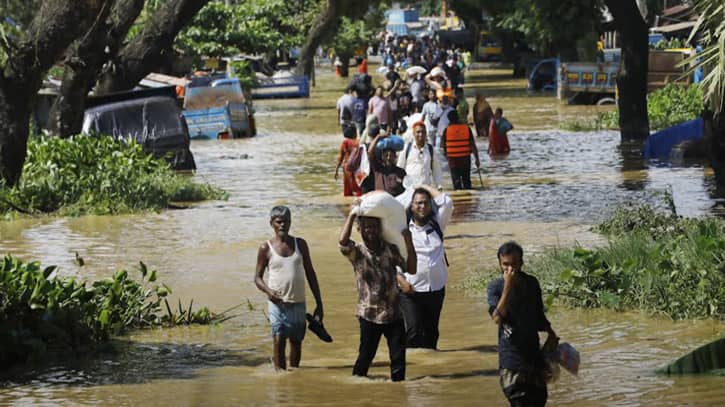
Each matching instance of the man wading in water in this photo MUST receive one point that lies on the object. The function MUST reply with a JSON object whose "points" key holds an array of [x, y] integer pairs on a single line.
{"points": [[515, 306], [288, 260], [378, 304], [423, 292]]}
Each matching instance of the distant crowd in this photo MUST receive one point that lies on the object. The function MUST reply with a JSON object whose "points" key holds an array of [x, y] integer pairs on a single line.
{"points": [[422, 100]]}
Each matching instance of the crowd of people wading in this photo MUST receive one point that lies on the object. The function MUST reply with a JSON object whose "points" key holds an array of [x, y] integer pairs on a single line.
{"points": [[399, 137]]}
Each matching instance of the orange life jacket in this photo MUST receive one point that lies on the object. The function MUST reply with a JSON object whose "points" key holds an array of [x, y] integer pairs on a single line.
{"points": [[458, 141]]}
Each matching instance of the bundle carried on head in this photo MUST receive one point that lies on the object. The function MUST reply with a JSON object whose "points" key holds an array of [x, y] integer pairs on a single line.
{"points": [[382, 205]]}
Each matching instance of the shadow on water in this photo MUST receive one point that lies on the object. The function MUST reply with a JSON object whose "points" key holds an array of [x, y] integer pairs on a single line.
{"points": [[129, 362], [459, 375], [475, 348]]}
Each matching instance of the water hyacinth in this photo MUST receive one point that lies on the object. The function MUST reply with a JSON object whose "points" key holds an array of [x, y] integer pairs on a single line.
{"points": [[41, 313], [97, 175], [655, 261]]}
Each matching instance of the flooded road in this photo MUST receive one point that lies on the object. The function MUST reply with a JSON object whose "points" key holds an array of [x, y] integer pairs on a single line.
{"points": [[545, 194]]}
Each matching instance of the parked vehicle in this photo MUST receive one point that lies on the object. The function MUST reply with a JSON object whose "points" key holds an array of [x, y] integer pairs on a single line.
{"points": [[281, 85], [489, 47], [543, 75], [592, 82], [217, 108], [150, 117]]}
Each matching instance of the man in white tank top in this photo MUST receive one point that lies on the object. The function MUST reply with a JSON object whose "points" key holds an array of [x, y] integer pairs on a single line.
{"points": [[288, 260]]}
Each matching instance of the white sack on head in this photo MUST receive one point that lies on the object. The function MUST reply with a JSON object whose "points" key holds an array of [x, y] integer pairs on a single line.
{"points": [[437, 71], [416, 70], [380, 204]]}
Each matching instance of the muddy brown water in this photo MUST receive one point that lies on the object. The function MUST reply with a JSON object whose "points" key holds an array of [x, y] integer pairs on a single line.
{"points": [[545, 194]]}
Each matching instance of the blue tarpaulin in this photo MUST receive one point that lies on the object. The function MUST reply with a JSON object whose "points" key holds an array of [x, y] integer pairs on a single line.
{"points": [[660, 144]]}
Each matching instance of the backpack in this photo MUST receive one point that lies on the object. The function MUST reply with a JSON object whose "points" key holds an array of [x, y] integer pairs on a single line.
{"points": [[430, 150], [353, 162], [436, 228], [359, 110]]}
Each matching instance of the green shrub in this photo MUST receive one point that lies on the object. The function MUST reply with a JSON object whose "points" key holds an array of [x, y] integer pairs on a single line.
{"points": [[666, 107], [654, 261], [669, 44], [97, 175], [40, 312]]}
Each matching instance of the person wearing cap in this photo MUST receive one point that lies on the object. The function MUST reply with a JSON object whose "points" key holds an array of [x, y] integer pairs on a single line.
{"points": [[288, 260], [419, 161], [458, 145]]}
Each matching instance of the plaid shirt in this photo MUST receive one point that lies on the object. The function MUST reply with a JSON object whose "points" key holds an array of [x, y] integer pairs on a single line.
{"points": [[378, 300]]}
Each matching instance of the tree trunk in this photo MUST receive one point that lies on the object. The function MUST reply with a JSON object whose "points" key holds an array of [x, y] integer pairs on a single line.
{"points": [[54, 27], [345, 68], [146, 51], [476, 29], [632, 76], [715, 140], [323, 25], [84, 61], [326, 24], [14, 117]]}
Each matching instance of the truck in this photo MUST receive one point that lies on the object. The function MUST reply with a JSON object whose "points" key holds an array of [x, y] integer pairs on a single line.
{"points": [[217, 108], [591, 82], [489, 48]]}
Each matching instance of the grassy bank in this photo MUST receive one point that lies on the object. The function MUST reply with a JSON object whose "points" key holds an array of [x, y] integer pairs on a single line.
{"points": [[666, 107], [97, 175], [654, 261], [42, 314]]}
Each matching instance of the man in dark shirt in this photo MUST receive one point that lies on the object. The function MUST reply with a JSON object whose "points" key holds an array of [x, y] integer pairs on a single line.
{"points": [[386, 175], [515, 305]]}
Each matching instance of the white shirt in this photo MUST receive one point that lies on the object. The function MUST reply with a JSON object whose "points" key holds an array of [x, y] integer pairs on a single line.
{"points": [[417, 166], [432, 272], [442, 112], [345, 101], [428, 112]]}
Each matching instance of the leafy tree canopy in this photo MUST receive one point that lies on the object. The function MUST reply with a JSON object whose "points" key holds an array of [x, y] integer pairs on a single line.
{"points": [[249, 26]]}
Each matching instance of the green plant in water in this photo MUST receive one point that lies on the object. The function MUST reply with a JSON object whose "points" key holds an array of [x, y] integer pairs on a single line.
{"points": [[655, 261], [40, 312], [666, 107], [97, 175]]}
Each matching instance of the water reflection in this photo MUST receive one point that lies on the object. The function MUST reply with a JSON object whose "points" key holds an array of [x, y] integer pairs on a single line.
{"points": [[634, 167]]}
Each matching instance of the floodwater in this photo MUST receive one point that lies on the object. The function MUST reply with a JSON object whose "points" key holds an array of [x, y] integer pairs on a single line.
{"points": [[547, 193]]}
